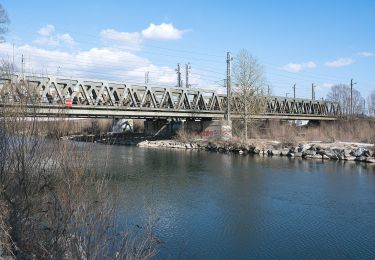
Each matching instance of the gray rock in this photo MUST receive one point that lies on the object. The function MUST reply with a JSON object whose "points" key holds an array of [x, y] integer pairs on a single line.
{"points": [[348, 153], [256, 151], [309, 152], [360, 158], [357, 152], [330, 154], [285, 152], [298, 154], [370, 160], [339, 153], [349, 158], [317, 156], [366, 153], [303, 147]]}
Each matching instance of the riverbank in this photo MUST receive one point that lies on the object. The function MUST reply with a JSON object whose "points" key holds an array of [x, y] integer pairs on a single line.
{"points": [[345, 151]]}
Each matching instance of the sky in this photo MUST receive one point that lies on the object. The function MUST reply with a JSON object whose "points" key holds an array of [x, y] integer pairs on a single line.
{"points": [[296, 42]]}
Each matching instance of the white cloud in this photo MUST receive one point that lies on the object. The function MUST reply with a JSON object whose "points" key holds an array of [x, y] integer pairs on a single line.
{"points": [[66, 38], [46, 30], [95, 63], [164, 31], [341, 62], [296, 67], [47, 41], [129, 40], [365, 54], [48, 37]]}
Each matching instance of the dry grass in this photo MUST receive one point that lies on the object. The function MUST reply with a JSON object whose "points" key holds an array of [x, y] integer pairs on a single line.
{"points": [[186, 136], [355, 129]]}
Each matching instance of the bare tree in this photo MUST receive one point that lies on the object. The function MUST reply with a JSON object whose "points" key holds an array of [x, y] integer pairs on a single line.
{"points": [[341, 93], [371, 103], [249, 88], [4, 21], [52, 203]]}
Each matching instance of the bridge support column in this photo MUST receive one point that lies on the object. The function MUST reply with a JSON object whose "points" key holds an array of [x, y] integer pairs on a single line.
{"points": [[161, 127], [122, 125], [210, 129], [217, 129]]}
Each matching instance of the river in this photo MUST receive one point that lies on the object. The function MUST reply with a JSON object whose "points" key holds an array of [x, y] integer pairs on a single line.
{"points": [[219, 206]]}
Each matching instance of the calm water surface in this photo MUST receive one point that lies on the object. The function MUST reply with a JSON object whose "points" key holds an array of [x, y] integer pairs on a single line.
{"points": [[217, 206]]}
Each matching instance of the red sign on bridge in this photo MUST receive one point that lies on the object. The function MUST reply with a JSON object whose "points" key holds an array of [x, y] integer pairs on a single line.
{"points": [[68, 102]]}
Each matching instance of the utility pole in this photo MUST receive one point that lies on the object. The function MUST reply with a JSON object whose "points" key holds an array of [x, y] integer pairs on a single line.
{"points": [[13, 60], [294, 91], [351, 96], [146, 77], [178, 71], [268, 90], [187, 71], [286, 94], [312, 91], [22, 60], [229, 59], [364, 106]]}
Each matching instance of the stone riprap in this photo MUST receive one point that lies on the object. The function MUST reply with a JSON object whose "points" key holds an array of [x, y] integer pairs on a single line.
{"points": [[310, 150]]}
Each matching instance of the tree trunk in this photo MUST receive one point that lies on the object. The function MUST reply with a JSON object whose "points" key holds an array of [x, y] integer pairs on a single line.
{"points": [[245, 134]]}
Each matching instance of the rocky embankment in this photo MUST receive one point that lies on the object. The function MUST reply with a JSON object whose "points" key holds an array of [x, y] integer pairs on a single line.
{"points": [[310, 150]]}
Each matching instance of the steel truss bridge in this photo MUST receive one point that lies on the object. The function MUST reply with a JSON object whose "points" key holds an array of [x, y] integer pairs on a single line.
{"points": [[51, 96]]}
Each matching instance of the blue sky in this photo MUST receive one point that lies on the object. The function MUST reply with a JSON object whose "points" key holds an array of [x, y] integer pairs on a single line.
{"points": [[302, 42]]}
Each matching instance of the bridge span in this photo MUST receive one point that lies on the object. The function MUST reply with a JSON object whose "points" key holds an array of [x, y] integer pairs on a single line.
{"points": [[87, 98]]}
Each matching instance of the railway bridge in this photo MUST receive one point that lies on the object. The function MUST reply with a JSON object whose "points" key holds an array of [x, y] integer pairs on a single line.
{"points": [[54, 96]]}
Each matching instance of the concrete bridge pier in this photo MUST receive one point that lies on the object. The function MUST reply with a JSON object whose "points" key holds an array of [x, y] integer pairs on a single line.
{"points": [[161, 127], [121, 125], [210, 129]]}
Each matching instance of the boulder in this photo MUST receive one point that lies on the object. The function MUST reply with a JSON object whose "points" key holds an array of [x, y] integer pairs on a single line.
{"points": [[256, 151], [331, 155], [285, 152], [360, 159], [317, 156], [339, 153], [303, 147], [366, 153], [348, 153], [309, 153], [349, 158], [357, 152], [298, 154]]}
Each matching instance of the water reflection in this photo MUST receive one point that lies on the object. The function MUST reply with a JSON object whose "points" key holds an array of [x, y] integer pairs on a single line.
{"points": [[232, 206]]}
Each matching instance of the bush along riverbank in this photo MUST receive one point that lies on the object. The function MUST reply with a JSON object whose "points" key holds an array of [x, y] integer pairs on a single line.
{"points": [[346, 151]]}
